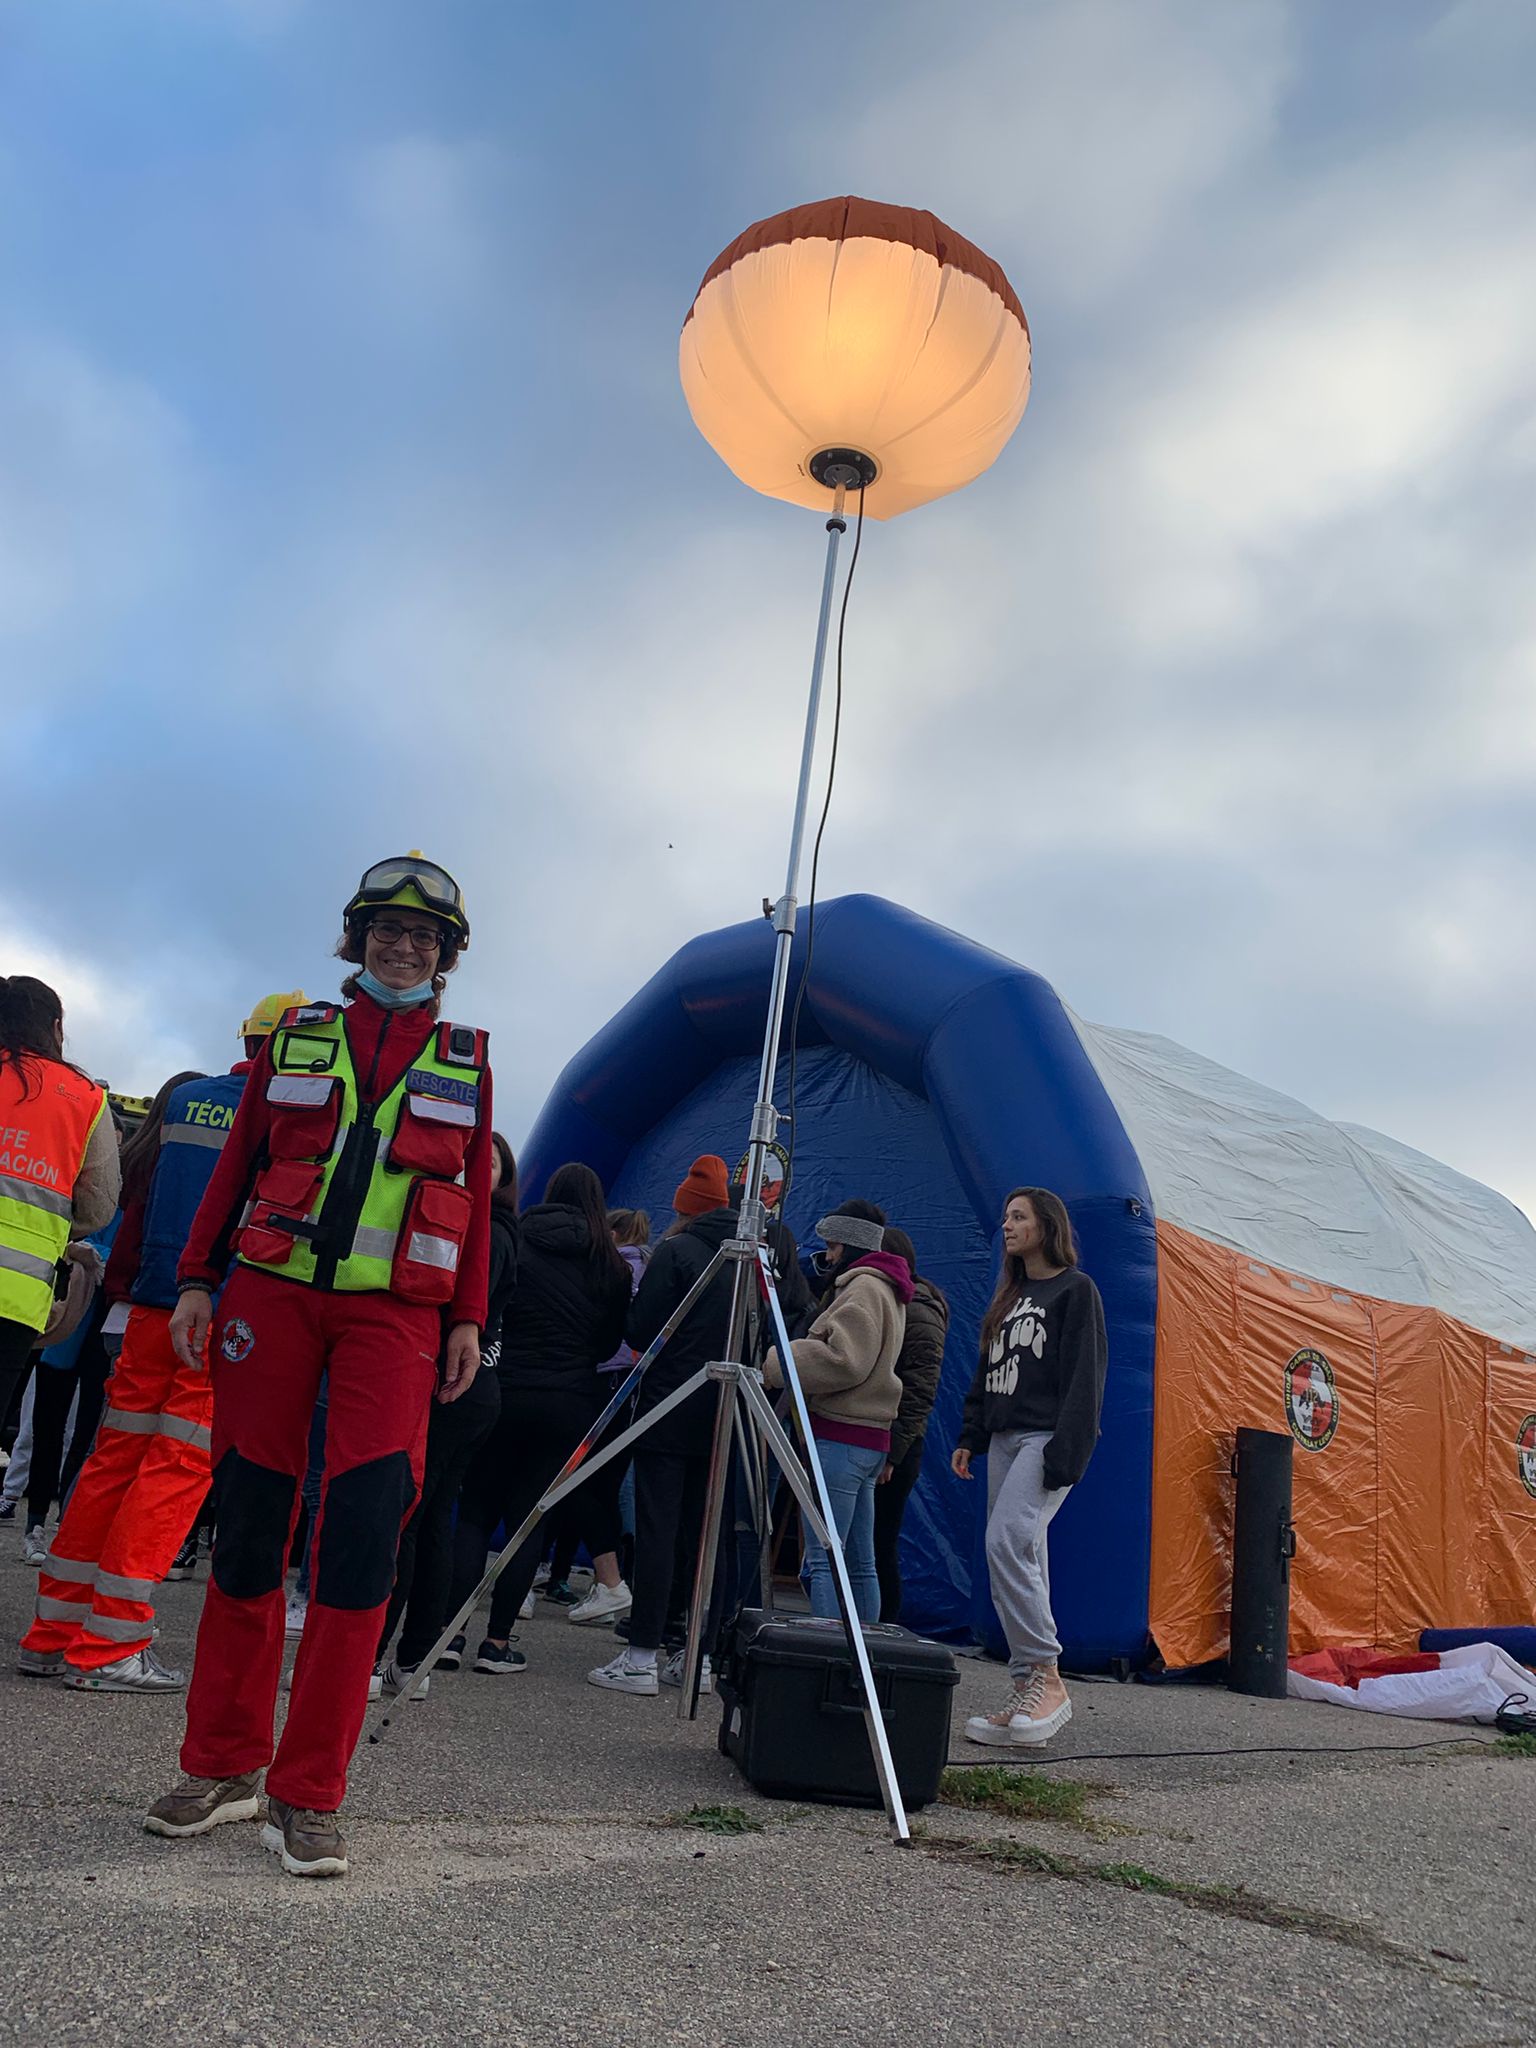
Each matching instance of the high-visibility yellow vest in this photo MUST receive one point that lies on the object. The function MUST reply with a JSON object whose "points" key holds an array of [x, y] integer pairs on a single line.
{"points": [[360, 1197], [44, 1134]]}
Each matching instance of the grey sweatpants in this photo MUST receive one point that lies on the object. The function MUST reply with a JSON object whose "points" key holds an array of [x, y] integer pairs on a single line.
{"points": [[1019, 1512]]}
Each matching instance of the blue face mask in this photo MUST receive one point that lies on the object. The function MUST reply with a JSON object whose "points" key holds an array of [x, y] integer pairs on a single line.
{"points": [[392, 998]]}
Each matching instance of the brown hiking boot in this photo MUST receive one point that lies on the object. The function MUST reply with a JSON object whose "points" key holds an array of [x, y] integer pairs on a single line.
{"points": [[309, 1843], [198, 1804]]}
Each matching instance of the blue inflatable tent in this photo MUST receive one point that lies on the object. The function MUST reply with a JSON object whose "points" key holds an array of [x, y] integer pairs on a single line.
{"points": [[932, 1077]]}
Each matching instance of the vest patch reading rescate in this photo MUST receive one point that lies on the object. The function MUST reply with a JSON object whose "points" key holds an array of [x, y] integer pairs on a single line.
{"points": [[419, 1082]]}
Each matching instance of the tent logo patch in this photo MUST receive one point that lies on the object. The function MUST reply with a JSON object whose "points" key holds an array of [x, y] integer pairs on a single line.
{"points": [[1311, 1400], [239, 1340], [1525, 1454]]}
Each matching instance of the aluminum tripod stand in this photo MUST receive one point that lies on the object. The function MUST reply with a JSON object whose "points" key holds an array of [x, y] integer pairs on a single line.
{"points": [[743, 1411]]}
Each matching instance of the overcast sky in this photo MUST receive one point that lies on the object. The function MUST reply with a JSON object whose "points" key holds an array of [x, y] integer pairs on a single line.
{"points": [[349, 502]]}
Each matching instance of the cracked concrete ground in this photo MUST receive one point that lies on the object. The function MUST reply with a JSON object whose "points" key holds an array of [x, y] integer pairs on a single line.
{"points": [[519, 1877]]}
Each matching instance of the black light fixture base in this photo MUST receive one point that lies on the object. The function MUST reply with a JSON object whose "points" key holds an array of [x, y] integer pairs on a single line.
{"points": [[847, 469]]}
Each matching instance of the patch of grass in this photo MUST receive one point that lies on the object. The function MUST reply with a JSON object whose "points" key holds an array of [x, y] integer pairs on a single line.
{"points": [[1231, 1902], [1516, 1745], [718, 1820], [1135, 1879], [1018, 1794]]}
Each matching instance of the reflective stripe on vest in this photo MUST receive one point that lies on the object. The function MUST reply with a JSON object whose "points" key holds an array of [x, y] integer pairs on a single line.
{"points": [[34, 1197], [14, 1261], [193, 1134], [367, 1264], [435, 1251], [302, 1091], [48, 1113]]}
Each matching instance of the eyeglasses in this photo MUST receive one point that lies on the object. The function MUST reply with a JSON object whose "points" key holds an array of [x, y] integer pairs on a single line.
{"points": [[389, 931]]}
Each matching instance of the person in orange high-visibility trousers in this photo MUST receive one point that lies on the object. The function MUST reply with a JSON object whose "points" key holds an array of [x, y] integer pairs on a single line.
{"points": [[356, 1188], [148, 1473]]}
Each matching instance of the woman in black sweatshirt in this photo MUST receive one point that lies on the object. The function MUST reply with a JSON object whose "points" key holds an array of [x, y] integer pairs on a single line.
{"points": [[1033, 1409], [564, 1319]]}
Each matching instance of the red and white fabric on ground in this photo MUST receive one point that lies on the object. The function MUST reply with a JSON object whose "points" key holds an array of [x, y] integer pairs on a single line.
{"points": [[1469, 1684]]}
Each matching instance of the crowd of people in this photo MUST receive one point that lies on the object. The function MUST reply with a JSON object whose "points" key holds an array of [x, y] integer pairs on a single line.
{"points": [[303, 1309]]}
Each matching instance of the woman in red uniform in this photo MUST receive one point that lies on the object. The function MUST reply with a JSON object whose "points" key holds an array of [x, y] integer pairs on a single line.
{"points": [[354, 1190]]}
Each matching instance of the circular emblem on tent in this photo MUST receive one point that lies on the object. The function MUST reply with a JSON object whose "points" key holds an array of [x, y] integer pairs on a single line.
{"points": [[239, 1340], [1525, 1454], [1311, 1400]]}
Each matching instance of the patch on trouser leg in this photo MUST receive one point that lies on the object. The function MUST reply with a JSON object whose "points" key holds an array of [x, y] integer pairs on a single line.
{"points": [[360, 1532], [250, 1546]]}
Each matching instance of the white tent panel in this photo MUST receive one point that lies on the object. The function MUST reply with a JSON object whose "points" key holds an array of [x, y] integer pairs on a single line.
{"points": [[1247, 1167]]}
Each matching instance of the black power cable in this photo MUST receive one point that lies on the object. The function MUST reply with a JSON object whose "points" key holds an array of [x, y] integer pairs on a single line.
{"points": [[810, 909], [1153, 1756]]}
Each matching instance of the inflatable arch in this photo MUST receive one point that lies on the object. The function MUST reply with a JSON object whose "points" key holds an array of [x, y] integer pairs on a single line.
{"points": [[1258, 1266]]}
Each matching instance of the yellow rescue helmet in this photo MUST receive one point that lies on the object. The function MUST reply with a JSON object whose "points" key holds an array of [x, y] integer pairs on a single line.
{"points": [[409, 881], [268, 1013]]}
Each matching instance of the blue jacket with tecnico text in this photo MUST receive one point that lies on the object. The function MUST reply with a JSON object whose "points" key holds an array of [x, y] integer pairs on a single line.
{"points": [[197, 1121]]}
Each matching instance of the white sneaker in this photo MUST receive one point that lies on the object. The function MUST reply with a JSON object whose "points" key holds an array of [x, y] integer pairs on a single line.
{"points": [[672, 1672], [541, 1577], [397, 1678], [602, 1605], [294, 1619], [525, 1612], [34, 1549], [1019, 1722], [620, 1676], [142, 1672]]}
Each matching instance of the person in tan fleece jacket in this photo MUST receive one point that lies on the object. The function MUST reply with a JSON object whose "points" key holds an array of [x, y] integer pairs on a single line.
{"points": [[846, 1364]]}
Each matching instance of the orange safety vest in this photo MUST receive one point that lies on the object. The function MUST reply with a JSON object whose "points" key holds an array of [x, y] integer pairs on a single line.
{"points": [[44, 1134]]}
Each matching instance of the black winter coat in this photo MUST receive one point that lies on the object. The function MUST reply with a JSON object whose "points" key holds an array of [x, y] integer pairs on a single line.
{"points": [[919, 1367], [565, 1316], [675, 1265], [503, 1272]]}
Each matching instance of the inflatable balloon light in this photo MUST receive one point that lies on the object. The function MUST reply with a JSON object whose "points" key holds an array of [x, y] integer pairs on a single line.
{"points": [[849, 328]]}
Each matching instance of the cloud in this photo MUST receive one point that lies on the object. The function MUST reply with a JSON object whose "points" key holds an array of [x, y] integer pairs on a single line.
{"points": [[117, 1031], [1078, 137], [96, 486]]}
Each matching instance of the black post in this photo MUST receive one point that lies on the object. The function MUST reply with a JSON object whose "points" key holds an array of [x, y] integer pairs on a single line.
{"points": [[1263, 1544]]}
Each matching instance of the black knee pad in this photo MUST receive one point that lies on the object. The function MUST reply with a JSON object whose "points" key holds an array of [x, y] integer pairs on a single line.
{"points": [[250, 1547], [360, 1532]]}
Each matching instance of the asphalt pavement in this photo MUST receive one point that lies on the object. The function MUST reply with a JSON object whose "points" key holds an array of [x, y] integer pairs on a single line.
{"points": [[529, 1867]]}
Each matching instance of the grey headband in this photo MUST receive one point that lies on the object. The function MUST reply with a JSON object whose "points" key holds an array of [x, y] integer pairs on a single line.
{"points": [[853, 1230]]}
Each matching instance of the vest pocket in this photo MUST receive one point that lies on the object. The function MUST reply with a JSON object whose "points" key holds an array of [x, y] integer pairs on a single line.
{"points": [[285, 1189], [431, 1136], [306, 1108], [432, 1233]]}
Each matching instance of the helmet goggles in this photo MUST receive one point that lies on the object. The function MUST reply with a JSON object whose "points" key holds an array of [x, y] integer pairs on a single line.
{"points": [[388, 881]]}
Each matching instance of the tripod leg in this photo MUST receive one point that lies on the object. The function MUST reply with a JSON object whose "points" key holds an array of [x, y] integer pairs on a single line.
{"points": [[709, 1542], [874, 1720], [569, 1477]]}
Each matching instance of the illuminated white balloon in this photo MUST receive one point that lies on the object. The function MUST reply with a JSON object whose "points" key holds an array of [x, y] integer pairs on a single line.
{"points": [[849, 324]]}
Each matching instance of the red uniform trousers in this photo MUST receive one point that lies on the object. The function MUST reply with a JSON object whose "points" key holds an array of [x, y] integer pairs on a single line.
{"points": [[272, 1340], [137, 1496]]}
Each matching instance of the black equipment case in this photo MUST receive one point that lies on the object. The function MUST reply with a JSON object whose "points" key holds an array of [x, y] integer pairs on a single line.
{"points": [[792, 1719]]}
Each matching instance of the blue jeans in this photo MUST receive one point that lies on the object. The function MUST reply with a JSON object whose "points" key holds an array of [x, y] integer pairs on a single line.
{"points": [[850, 1474]]}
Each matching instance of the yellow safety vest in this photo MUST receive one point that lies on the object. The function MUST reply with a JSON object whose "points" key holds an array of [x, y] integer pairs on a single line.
{"points": [[44, 1135], [361, 1197]]}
